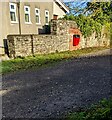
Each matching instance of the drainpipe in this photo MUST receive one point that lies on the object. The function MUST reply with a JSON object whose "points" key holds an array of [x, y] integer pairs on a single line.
{"points": [[32, 46], [18, 5]]}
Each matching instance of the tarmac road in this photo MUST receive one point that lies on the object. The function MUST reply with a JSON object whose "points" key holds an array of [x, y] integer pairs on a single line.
{"points": [[57, 90]]}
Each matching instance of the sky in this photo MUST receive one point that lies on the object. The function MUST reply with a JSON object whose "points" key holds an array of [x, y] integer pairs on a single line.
{"points": [[78, 2]]}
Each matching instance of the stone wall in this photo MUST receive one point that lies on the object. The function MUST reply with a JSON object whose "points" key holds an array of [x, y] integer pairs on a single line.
{"points": [[50, 43], [19, 45], [61, 27], [60, 39], [93, 40], [26, 45]]}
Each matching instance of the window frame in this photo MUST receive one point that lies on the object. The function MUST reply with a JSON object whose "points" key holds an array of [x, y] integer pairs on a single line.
{"points": [[27, 12], [14, 11], [46, 16], [37, 14]]}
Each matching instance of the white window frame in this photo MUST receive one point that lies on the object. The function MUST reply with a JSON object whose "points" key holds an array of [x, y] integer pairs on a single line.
{"points": [[13, 10], [27, 12], [47, 16], [37, 14]]}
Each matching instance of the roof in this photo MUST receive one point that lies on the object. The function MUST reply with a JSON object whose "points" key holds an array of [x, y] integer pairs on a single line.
{"points": [[62, 5]]}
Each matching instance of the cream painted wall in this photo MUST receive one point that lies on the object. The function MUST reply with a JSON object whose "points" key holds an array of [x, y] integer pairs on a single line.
{"points": [[33, 27], [44, 6], [1, 42], [58, 11], [8, 28]]}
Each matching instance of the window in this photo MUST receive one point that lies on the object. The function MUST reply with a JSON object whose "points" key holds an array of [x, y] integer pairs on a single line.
{"points": [[46, 17], [13, 12], [27, 14], [37, 15]]}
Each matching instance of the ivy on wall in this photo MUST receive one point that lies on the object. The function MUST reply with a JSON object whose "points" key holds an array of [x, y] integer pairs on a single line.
{"points": [[87, 25]]}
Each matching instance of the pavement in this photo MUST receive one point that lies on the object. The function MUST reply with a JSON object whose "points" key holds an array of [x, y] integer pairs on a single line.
{"points": [[54, 91]]}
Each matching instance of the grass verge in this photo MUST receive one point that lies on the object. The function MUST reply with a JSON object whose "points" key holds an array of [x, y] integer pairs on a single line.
{"points": [[100, 111], [42, 60]]}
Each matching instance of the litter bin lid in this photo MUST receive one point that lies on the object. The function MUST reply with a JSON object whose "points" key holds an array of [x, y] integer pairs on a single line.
{"points": [[76, 36]]}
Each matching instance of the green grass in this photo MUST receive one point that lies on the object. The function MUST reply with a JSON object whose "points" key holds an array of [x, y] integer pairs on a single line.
{"points": [[42, 60], [100, 111]]}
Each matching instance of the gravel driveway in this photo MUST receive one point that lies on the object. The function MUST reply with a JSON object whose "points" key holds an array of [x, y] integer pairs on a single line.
{"points": [[57, 90]]}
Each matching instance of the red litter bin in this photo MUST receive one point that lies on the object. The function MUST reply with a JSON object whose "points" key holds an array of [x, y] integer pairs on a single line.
{"points": [[76, 39]]}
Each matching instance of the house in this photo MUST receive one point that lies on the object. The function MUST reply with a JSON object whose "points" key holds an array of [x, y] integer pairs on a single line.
{"points": [[28, 17]]}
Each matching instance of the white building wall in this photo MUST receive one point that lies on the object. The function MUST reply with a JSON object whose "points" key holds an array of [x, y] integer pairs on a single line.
{"points": [[58, 11]]}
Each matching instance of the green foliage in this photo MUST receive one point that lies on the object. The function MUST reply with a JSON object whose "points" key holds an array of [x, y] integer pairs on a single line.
{"points": [[100, 11], [100, 111], [108, 30], [87, 25], [98, 14]]}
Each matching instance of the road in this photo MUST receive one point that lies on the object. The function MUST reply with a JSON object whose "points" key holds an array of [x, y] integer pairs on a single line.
{"points": [[56, 90]]}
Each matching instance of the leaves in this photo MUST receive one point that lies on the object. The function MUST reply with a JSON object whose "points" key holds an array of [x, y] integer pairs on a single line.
{"points": [[87, 25], [90, 14]]}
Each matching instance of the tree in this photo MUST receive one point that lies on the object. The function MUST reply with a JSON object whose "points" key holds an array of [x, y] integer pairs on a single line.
{"points": [[91, 17], [100, 11]]}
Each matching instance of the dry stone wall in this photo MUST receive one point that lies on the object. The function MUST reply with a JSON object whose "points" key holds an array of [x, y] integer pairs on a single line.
{"points": [[61, 27], [50, 43], [26, 45], [60, 39], [19, 45], [95, 40]]}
